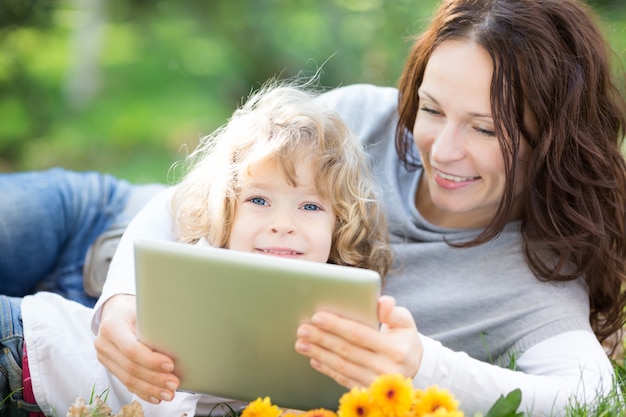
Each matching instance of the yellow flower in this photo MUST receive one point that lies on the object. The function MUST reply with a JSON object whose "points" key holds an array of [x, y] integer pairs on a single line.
{"points": [[261, 408], [441, 412], [356, 403], [435, 402], [392, 395], [320, 412]]}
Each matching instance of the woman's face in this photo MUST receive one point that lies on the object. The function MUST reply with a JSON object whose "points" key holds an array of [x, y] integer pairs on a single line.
{"points": [[463, 180]]}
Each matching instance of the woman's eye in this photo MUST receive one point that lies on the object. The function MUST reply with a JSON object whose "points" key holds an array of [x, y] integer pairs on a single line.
{"points": [[258, 200], [311, 206], [485, 132], [430, 111]]}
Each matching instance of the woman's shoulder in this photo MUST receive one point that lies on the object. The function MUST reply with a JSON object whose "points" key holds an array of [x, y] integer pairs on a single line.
{"points": [[371, 112], [358, 96], [359, 90]]}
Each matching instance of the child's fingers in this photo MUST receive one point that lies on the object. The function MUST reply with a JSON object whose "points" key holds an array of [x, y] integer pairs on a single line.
{"points": [[144, 372]]}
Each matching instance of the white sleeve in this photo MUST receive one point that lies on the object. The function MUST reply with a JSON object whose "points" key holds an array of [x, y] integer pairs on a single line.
{"points": [[566, 367], [153, 222]]}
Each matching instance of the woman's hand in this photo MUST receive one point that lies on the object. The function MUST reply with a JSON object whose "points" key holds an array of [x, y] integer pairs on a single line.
{"points": [[354, 354], [143, 371]]}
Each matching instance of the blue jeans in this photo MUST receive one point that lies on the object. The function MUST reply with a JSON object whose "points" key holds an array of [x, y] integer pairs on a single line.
{"points": [[11, 345], [48, 220]]}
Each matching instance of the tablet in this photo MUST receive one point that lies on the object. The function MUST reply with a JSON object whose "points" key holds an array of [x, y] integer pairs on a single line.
{"points": [[229, 319]]}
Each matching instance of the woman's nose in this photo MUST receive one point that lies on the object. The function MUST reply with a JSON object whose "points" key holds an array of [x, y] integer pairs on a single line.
{"points": [[449, 144]]}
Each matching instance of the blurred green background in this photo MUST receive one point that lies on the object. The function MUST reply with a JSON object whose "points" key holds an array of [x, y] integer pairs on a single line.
{"points": [[129, 86]]}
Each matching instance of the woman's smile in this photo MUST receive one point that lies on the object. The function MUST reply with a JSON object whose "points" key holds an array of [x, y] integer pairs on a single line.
{"points": [[452, 182]]}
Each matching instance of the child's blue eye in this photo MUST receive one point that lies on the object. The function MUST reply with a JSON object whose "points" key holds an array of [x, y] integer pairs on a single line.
{"points": [[258, 200], [311, 206]]}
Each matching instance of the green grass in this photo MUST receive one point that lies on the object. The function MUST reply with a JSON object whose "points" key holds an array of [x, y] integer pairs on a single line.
{"points": [[611, 405]]}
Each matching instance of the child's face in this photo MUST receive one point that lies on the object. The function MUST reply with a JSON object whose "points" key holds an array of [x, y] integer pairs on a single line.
{"points": [[275, 218]]}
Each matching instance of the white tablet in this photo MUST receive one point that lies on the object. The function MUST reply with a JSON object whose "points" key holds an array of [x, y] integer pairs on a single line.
{"points": [[229, 319]]}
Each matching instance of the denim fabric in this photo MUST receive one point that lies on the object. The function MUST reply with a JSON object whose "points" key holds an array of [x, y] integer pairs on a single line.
{"points": [[48, 219], [12, 343]]}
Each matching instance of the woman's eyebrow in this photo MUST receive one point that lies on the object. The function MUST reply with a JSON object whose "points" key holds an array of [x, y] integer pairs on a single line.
{"points": [[480, 115], [421, 92], [474, 115]]}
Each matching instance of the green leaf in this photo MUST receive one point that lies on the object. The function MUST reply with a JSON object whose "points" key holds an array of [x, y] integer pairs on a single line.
{"points": [[507, 406]]}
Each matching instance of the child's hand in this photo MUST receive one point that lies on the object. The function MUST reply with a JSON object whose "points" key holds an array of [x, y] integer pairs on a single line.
{"points": [[146, 373], [354, 354]]}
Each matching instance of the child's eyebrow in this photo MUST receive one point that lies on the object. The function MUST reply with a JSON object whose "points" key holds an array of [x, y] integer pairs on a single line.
{"points": [[309, 189], [255, 183]]}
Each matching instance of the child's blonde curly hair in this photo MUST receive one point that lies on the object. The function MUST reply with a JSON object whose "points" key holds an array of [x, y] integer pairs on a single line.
{"points": [[284, 124]]}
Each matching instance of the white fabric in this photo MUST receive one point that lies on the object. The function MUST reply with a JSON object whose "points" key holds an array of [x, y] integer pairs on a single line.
{"points": [[64, 366]]}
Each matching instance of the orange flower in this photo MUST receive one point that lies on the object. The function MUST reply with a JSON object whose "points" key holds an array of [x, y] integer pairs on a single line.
{"points": [[435, 402], [356, 403], [261, 408], [392, 395]]}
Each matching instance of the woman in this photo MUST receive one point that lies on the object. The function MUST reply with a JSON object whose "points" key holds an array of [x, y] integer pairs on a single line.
{"points": [[504, 187]]}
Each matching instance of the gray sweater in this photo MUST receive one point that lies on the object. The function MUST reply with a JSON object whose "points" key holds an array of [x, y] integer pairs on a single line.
{"points": [[484, 301]]}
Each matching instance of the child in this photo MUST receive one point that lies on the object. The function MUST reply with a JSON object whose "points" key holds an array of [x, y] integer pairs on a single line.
{"points": [[283, 133], [284, 177]]}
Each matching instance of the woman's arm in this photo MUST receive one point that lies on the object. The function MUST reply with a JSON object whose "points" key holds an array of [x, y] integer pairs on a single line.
{"points": [[152, 222], [143, 371], [569, 366]]}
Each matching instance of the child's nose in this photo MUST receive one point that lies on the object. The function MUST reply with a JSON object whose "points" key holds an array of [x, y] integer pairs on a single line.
{"points": [[283, 224]]}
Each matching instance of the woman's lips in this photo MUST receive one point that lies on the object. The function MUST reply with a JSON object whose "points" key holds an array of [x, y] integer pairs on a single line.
{"points": [[452, 182]]}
